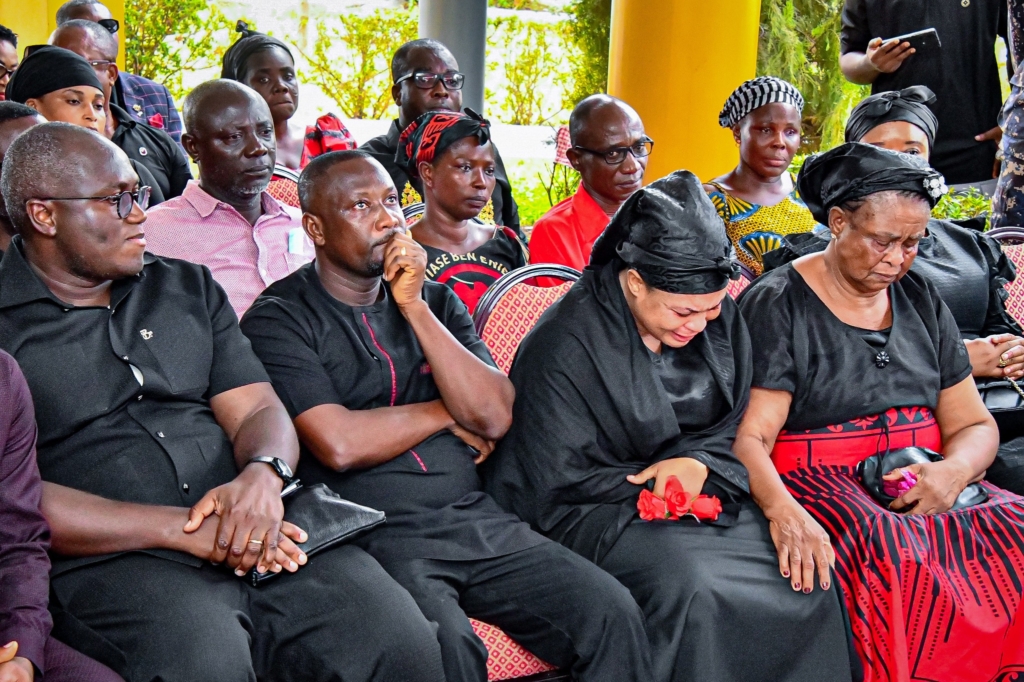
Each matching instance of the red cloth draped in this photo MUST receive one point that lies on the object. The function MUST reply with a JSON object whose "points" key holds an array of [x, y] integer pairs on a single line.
{"points": [[328, 134]]}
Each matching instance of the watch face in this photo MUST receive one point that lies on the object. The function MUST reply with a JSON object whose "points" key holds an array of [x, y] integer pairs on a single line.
{"points": [[282, 468]]}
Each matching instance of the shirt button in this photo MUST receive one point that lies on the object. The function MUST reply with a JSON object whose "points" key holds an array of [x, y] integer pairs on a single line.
{"points": [[124, 357], [159, 434], [184, 487], [139, 397]]}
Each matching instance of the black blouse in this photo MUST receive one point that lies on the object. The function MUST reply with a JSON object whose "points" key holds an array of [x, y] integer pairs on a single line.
{"points": [[694, 394], [801, 347]]}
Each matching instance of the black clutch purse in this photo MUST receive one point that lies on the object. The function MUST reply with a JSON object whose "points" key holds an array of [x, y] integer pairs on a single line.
{"points": [[873, 468], [327, 518]]}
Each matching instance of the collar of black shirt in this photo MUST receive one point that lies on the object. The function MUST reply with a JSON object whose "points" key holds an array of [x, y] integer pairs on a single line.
{"points": [[20, 285]]}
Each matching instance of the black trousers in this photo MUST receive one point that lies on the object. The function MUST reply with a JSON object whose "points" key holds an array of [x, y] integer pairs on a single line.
{"points": [[340, 618], [557, 605]]}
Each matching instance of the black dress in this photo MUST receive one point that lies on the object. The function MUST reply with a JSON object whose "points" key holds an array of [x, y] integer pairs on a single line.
{"points": [[592, 406], [929, 597]]}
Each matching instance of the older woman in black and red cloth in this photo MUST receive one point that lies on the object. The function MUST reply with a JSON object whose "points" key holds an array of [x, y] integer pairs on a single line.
{"points": [[452, 155], [856, 355]]}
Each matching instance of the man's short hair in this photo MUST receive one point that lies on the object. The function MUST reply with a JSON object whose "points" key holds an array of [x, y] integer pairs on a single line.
{"points": [[65, 13], [315, 171], [400, 62], [12, 111], [103, 38], [585, 109], [39, 163], [206, 92], [8, 35]]}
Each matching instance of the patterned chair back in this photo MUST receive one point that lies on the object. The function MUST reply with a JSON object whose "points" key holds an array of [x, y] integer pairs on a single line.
{"points": [[736, 286], [1012, 241], [508, 660], [513, 304], [284, 186]]}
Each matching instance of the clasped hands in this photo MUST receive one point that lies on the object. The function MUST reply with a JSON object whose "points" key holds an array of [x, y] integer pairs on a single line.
{"points": [[249, 529], [998, 356], [14, 668]]}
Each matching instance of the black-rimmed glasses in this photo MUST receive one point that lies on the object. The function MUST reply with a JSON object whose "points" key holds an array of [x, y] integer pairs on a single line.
{"points": [[125, 201], [4, 71], [616, 155], [424, 80], [112, 25]]}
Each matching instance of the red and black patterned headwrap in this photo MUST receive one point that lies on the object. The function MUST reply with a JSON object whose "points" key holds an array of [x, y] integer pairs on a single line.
{"points": [[430, 135]]}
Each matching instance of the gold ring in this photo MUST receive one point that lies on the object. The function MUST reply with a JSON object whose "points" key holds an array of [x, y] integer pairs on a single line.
{"points": [[1002, 363], [403, 250], [256, 542]]}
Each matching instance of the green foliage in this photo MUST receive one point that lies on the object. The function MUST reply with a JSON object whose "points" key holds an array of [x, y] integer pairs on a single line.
{"points": [[529, 62], [164, 38], [589, 33], [351, 62], [962, 205], [800, 43], [540, 185], [533, 5]]}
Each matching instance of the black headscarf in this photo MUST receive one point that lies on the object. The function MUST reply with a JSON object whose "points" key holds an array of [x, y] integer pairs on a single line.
{"points": [[251, 42], [430, 135], [856, 170], [47, 70], [912, 105], [672, 235]]}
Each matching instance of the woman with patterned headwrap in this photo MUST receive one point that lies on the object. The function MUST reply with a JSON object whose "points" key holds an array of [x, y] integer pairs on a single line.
{"points": [[855, 356], [630, 386], [266, 65], [451, 154], [758, 200]]}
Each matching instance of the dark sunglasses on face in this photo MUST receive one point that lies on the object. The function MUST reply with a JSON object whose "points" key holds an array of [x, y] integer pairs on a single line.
{"points": [[453, 80], [112, 25], [124, 201], [616, 155]]}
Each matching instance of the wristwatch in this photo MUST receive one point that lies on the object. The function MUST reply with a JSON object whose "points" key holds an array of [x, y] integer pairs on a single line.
{"points": [[279, 466]]}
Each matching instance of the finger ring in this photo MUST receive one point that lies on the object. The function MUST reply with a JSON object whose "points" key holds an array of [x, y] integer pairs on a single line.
{"points": [[1002, 363], [256, 542], [403, 251]]}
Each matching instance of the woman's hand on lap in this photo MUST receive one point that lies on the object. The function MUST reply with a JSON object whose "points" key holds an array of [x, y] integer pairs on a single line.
{"points": [[802, 545], [938, 486], [690, 472]]}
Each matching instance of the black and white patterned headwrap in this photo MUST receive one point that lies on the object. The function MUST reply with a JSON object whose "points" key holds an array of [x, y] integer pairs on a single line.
{"points": [[756, 93]]}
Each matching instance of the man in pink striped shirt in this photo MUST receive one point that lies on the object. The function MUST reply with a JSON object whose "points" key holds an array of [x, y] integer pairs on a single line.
{"points": [[226, 220]]}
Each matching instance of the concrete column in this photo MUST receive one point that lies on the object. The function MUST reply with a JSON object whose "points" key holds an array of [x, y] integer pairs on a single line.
{"points": [[462, 26], [675, 62]]}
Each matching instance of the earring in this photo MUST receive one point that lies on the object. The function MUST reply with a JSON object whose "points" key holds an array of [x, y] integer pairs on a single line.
{"points": [[833, 234]]}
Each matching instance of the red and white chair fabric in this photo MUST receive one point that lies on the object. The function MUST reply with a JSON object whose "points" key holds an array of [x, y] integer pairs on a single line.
{"points": [[509, 309], [1012, 241], [284, 186], [506, 660], [736, 286]]}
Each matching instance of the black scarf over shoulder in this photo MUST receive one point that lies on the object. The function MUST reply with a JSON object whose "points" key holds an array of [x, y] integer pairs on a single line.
{"points": [[591, 409]]}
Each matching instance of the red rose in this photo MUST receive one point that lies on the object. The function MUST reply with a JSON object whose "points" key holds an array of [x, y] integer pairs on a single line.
{"points": [[156, 121], [676, 499], [706, 508], [652, 507]]}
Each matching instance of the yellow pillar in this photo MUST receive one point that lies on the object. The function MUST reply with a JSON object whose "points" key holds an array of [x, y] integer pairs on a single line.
{"points": [[35, 20], [675, 62]]}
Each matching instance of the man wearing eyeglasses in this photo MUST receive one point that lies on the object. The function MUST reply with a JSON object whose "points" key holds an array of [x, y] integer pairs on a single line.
{"points": [[147, 101], [427, 78], [8, 58], [609, 149]]}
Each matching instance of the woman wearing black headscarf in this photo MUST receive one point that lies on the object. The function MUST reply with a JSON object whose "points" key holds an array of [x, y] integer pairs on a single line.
{"points": [[266, 65], [452, 155], [854, 355], [637, 376]]}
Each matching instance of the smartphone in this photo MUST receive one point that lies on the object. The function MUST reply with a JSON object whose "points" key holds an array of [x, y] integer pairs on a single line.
{"points": [[922, 41]]}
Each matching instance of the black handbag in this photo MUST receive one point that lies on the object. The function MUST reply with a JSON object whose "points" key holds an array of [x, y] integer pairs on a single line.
{"points": [[327, 518], [873, 468], [1005, 401]]}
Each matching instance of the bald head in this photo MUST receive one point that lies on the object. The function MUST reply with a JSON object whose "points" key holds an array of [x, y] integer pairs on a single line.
{"points": [[599, 112], [86, 39], [210, 99], [82, 9]]}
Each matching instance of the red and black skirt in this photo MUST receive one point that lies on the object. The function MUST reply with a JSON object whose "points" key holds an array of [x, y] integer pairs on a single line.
{"points": [[930, 598]]}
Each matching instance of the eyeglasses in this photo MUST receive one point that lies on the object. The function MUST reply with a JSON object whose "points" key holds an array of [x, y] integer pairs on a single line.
{"points": [[4, 71], [453, 80], [112, 25], [125, 201], [101, 64], [616, 155]]}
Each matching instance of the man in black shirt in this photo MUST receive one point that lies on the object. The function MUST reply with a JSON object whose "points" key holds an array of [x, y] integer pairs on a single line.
{"points": [[396, 399], [146, 145], [420, 70], [149, 401], [963, 73]]}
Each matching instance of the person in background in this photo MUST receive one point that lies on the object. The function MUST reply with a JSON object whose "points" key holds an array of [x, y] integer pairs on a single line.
{"points": [[426, 78], [1008, 199], [266, 65], [963, 72], [452, 156], [14, 120], [226, 220], [8, 58], [146, 101], [63, 87], [609, 149], [144, 144], [396, 400], [758, 200]]}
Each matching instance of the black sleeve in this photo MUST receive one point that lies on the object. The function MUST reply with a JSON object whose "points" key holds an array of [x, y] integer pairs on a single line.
{"points": [[234, 363], [179, 173], [285, 345], [855, 33], [146, 179], [767, 311], [509, 209], [954, 362], [455, 316], [1000, 273]]}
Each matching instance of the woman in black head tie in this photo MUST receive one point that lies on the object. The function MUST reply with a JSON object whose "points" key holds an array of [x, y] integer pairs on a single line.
{"points": [[639, 374], [266, 65], [854, 355], [451, 154]]}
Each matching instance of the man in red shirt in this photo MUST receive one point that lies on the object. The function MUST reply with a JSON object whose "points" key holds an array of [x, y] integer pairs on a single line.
{"points": [[609, 149]]}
